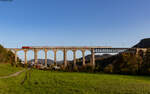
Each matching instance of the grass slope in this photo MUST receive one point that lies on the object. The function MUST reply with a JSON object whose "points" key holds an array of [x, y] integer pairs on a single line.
{"points": [[7, 69], [46, 82]]}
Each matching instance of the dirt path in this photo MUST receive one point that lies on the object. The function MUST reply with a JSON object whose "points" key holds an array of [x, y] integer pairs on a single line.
{"points": [[14, 74]]}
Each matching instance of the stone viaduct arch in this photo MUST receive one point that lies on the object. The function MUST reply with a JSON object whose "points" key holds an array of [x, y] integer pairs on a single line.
{"points": [[92, 50]]}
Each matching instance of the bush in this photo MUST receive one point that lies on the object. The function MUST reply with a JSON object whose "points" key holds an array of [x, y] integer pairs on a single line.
{"points": [[87, 68], [109, 68]]}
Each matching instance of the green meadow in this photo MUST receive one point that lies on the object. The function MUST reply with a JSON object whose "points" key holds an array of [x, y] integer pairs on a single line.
{"points": [[50, 82], [7, 69]]}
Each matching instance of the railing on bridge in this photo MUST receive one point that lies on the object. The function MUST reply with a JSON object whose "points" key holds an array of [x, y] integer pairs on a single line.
{"points": [[115, 50]]}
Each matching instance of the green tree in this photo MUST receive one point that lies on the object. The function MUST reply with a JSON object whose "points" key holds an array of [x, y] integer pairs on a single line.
{"points": [[145, 69], [6, 56]]}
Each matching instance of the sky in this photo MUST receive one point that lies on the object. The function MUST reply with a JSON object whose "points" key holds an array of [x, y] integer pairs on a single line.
{"points": [[116, 23]]}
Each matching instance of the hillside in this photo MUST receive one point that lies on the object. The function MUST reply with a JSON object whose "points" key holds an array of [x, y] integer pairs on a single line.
{"points": [[144, 43], [127, 63], [6, 56]]}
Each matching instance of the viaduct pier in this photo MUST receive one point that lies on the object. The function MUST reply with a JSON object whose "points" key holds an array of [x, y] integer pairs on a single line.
{"points": [[64, 49]]}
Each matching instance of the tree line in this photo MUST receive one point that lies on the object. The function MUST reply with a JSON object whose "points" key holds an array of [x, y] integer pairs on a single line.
{"points": [[126, 63]]}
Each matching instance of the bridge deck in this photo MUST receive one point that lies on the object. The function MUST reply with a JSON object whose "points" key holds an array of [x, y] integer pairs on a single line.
{"points": [[96, 49]]}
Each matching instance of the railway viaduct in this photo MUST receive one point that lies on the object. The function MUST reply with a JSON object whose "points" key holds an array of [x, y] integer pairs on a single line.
{"points": [[94, 49]]}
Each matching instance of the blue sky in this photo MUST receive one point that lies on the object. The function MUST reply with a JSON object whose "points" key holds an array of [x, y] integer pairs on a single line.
{"points": [[117, 23]]}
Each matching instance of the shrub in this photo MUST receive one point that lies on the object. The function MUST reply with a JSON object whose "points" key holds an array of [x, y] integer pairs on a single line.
{"points": [[87, 68], [109, 68]]}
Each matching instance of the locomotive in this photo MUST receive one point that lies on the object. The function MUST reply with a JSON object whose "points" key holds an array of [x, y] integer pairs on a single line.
{"points": [[26, 47]]}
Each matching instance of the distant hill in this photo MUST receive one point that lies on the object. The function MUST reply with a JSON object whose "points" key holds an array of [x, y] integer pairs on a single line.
{"points": [[144, 43], [87, 58], [97, 57], [42, 61]]}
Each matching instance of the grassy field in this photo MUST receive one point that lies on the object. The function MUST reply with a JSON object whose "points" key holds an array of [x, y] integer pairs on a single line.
{"points": [[46, 82], [6, 69]]}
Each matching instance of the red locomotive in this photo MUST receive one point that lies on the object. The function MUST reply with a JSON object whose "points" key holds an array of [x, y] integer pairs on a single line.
{"points": [[26, 47]]}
